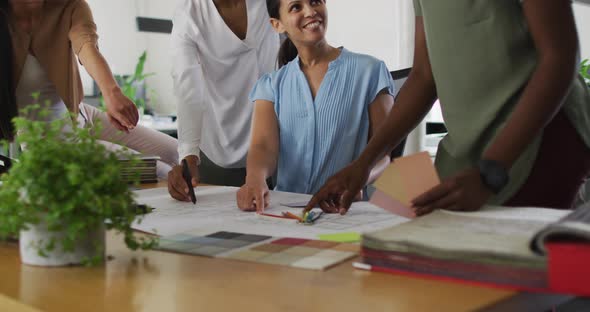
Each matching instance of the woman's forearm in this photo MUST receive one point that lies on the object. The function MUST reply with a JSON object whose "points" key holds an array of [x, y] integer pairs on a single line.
{"points": [[378, 169], [413, 103], [121, 110], [540, 101], [98, 68], [553, 30], [264, 144], [261, 163]]}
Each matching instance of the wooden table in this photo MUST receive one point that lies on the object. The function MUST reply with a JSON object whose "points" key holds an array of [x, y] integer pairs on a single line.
{"points": [[161, 281]]}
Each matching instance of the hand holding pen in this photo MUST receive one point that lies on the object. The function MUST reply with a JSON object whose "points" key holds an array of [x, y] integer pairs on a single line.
{"points": [[186, 175], [178, 187]]}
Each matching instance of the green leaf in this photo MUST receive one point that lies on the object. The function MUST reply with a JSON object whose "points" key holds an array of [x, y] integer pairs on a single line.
{"points": [[585, 71], [140, 65]]}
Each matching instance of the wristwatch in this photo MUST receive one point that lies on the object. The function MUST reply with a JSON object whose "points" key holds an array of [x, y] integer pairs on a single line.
{"points": [[493, 174]]}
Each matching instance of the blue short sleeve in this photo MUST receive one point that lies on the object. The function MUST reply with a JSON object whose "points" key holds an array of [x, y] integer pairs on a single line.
{"points": [[381, 80], [263, 90]]}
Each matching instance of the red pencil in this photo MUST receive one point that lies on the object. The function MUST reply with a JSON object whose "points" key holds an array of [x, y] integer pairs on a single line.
{"points": [[273, 215]]}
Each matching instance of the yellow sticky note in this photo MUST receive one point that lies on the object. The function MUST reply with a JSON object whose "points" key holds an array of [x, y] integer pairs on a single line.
{"points": [[349, 237]]}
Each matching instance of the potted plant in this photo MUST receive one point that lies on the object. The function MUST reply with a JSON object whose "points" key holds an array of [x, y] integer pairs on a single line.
{"points": [[585, 71], [62, 194]]}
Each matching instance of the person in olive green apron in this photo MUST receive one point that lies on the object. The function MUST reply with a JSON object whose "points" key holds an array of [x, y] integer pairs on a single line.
{"points": [[517, 112]]}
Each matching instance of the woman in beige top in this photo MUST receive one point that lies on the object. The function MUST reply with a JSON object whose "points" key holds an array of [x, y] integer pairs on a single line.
{"points": [[40, 44]]}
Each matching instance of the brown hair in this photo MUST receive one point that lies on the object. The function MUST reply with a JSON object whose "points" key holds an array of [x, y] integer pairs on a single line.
{"points": [[288, 51]]}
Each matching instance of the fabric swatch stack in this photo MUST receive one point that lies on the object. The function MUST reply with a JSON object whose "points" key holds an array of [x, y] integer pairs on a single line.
{"points": [[532, 249], [144, 169]]}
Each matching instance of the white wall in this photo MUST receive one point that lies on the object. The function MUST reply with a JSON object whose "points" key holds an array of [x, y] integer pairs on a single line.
{"points": [[377, 30], [122, 44], [163, 99], [119, 41], [582, 14], [384, 29]]}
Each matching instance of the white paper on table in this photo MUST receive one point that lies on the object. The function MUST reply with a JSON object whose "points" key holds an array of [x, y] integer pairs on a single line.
{"points": [[217, 209]]}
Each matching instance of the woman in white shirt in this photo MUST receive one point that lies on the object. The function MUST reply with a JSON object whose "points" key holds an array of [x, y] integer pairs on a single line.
{"points": [[220, 49]]}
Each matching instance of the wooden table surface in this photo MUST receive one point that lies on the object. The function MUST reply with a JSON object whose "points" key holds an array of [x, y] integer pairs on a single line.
{"points": [[163, 281]]}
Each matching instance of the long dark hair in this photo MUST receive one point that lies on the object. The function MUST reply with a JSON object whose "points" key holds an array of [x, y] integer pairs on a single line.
{"points": [[288, 51], [8, 108]]}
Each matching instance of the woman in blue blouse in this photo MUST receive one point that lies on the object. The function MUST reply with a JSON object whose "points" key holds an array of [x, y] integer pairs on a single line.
{"points": [[315, 114]]}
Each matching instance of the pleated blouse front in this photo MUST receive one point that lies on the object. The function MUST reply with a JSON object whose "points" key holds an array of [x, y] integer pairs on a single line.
{"points": [[320, 136]]}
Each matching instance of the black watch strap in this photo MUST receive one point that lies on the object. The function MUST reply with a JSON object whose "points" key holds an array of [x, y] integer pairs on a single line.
{"points": [[493, 174]]}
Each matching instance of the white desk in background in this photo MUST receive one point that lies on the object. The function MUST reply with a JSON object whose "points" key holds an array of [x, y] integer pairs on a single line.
{"points": [[164, 124]]}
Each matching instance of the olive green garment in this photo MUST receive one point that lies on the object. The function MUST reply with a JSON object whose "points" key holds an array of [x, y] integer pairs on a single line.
{"points": [[482, 56]]}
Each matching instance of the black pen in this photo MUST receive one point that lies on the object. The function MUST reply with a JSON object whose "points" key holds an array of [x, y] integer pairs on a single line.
{"points": [[143, 209], [186, 174]]}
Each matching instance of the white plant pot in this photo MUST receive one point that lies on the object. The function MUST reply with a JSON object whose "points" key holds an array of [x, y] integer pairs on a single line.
{"points": [[85, 248]]}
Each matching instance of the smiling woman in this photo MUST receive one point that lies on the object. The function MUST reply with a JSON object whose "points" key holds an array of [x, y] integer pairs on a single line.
{"points": [[304, 30], [313, 116]]}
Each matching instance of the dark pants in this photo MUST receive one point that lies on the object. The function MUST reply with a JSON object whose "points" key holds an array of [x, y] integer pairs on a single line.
{"points": [[215, 175], [561, 167]]}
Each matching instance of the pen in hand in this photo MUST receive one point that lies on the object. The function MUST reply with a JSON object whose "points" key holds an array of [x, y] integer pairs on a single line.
{"points": [[186, 174]]}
